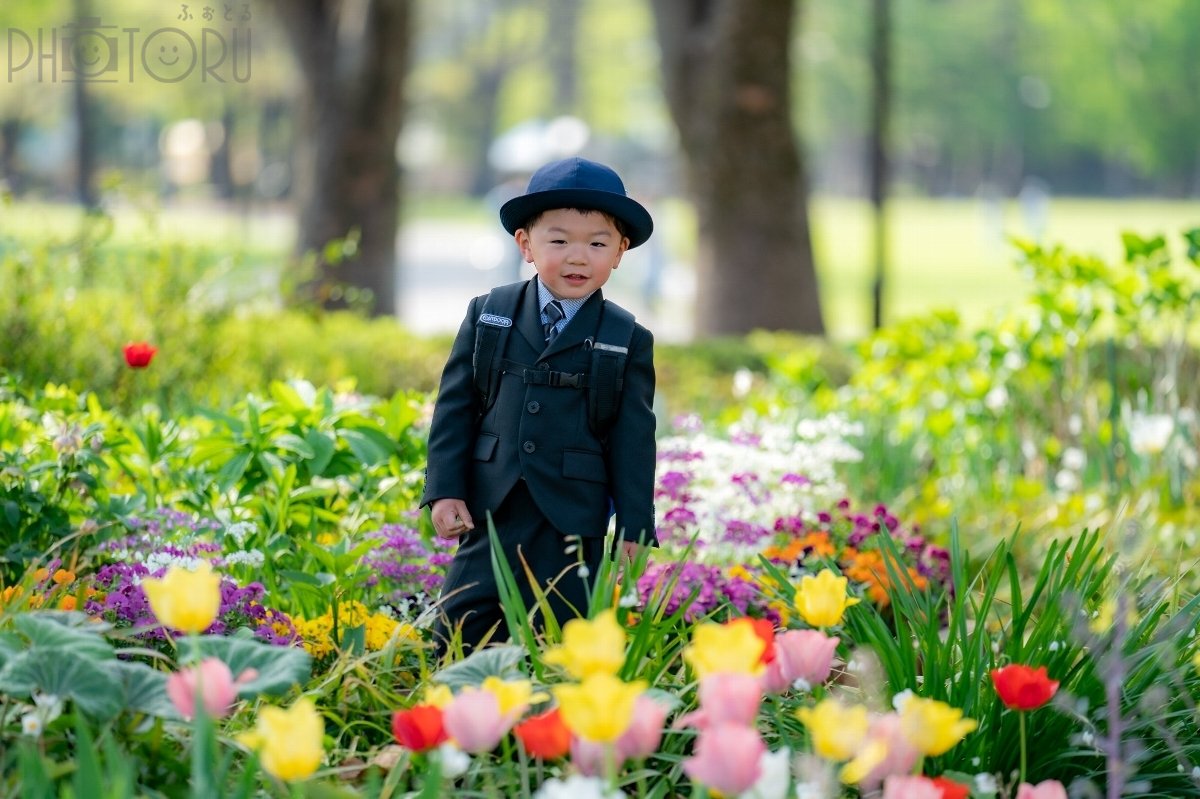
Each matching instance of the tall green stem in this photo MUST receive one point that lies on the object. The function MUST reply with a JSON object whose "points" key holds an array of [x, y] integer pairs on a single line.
{"points": [[1021, 722]]}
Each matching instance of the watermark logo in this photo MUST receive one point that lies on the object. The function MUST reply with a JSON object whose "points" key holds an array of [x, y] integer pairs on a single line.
{"points": [[91, 51]]}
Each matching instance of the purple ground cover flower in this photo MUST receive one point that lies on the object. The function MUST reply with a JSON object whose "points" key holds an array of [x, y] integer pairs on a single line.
{"points": [[708, 588], [405, 568]]}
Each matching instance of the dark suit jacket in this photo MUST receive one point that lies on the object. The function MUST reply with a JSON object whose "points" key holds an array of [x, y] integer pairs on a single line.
{"points": [[541, 433]]}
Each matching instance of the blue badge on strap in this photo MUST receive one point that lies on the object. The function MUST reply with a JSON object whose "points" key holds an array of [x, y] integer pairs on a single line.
{"points": [[495, 321]]}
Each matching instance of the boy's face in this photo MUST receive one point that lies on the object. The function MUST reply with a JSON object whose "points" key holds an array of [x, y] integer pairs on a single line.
{"points": [[574, 251]]}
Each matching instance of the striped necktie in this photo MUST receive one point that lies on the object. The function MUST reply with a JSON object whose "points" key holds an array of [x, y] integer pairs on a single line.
{"points": [[554, 312]]}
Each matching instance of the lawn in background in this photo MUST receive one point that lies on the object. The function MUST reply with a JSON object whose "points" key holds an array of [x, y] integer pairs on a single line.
{"points": [[943, 253]]}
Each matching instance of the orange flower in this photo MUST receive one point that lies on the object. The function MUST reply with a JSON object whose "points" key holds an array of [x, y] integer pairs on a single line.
{"points": [[801, 547], [62, 577], [870, 569], [544, 735], [68, 602]]}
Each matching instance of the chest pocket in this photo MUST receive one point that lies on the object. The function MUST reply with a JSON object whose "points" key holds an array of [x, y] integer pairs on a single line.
{"points": [[485, 446], [581, 464]]}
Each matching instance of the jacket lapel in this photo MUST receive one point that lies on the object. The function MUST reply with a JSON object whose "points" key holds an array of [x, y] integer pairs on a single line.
{"points": [[529, 319], [582, 325]]}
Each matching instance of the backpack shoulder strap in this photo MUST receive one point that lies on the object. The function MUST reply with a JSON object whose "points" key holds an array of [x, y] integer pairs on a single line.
{"points": [[610, 351], [491, 333]]}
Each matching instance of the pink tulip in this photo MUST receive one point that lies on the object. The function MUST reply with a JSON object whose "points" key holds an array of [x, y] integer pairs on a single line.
{"points": [[727, 758], [908, 787], [645, 733], [214, 682], [772, 679], [1050, 789], [805, 655], [473, 719], [900, 758], [725, 699], [588, 756]]}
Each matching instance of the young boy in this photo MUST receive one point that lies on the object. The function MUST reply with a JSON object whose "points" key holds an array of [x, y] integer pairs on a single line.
{"points": [[541, 422]]}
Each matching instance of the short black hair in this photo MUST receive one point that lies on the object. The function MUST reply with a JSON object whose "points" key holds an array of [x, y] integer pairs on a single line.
{"points": [[620, 225]]}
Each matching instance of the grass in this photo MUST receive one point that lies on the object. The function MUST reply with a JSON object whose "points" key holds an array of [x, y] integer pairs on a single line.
{"points": [[943, 253]]}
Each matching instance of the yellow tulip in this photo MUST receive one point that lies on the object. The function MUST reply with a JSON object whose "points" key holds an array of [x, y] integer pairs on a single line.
{"points": [[513, 695], [932, 727], [821, 601], [724, 649], [599, 709], [290, 742], [185, 600], [590, 647], [867, 759], [438, 694], [836, 730]]}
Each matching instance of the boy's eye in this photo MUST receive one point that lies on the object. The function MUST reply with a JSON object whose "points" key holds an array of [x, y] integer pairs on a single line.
{"points": [[558, 241]]}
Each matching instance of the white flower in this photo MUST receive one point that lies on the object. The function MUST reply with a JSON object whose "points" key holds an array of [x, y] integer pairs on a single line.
{"points": [[583, 571], [1066, 481], [996, 399], [801, 685], [774, 777], [251, 557], [455, 761], [901, 699], [743, 381], [576, 786], [240, 531], [1149, 433], [1074, 458], [1054, 646], [985, 783], [31, 725]]}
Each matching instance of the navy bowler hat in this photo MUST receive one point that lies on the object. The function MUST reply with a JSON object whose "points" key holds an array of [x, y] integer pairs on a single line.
{"points": [[578, 183]]}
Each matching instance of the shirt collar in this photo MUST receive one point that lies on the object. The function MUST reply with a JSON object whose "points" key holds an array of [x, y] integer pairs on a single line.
{"points": [[570, 307]]}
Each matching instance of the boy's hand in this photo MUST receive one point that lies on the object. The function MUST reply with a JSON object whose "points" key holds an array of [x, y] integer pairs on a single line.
{"points": [[629, 551], [451, 518]]}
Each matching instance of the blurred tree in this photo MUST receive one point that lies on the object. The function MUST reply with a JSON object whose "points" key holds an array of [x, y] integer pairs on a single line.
{"points": [[353, 58], [726, 72]]}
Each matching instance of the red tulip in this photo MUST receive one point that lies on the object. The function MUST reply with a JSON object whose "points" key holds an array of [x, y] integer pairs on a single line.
{"points": [[544, 735], [765, 630], [1023, 688], [138, 354], [419, 728], [951, 789]]}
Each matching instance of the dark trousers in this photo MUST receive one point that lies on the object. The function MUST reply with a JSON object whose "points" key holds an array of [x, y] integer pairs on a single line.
{"points": [[470, 598]]}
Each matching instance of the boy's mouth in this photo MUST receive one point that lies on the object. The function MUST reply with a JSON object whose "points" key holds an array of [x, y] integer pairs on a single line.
{"points": [[575, 277]]}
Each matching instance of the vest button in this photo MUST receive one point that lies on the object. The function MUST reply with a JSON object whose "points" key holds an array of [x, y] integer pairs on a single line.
{"points": [[529, 446], [533, 407]]}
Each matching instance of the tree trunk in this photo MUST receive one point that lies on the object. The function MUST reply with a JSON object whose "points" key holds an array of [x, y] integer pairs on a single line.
{"points": [[85, 133], [727, 78], [10, 134], [881, 103], [352, 56]]}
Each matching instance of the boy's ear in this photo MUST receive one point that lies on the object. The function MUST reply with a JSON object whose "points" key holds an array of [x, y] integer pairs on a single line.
{"points": [[522, 239]]}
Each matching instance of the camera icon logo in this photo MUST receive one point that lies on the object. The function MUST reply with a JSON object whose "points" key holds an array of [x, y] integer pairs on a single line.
{"points": [[88, 50]]}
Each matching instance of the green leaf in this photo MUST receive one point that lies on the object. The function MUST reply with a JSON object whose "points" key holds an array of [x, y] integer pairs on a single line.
{"points": [[371, 447], [87, 764], [62, 672], [62, 630], [495, 661], [279, 667], [10, 645], [323, 446], [145, 690], [290, 442], [233, 470]]}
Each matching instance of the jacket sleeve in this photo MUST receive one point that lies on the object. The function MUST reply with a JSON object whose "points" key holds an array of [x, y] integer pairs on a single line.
{"points": [[455, 416], [631, 445]]}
